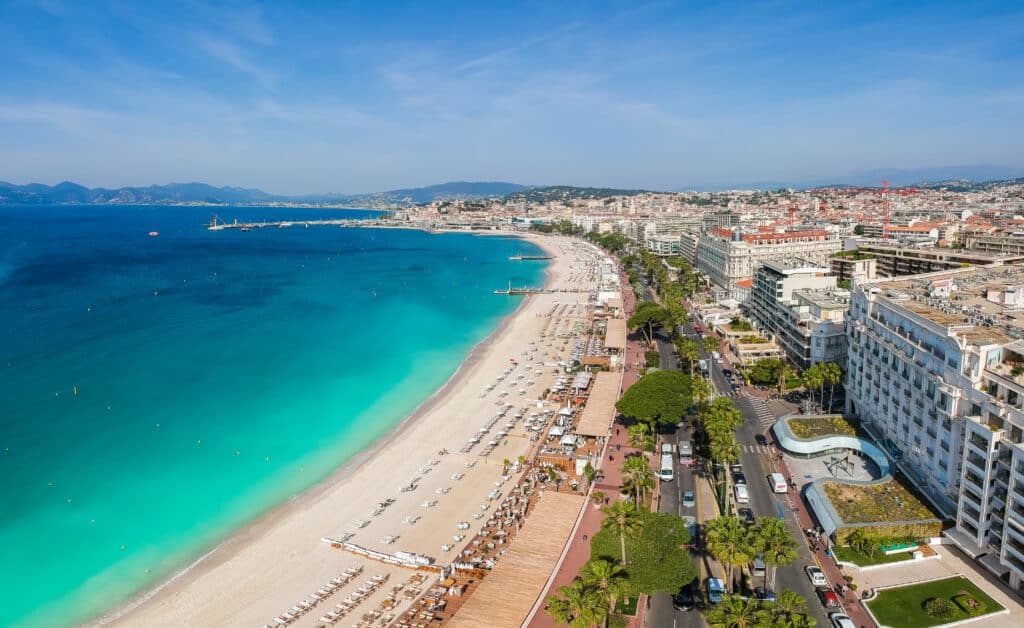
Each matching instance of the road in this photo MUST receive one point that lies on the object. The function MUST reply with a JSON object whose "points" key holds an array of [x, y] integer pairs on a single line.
{"points": [[756, 462]]}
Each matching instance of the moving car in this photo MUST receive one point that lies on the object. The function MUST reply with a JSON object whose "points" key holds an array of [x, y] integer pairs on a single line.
{"points": [[840, 620], [761, 439], [816, 576], [688, 499], [691, 529], [746, 515], [684, 600], [827, 597], [685, 452]]}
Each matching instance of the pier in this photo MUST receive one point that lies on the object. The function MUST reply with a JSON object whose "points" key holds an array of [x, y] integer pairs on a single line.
{"points": [[511, 290], [216, 225], [517, 258]]}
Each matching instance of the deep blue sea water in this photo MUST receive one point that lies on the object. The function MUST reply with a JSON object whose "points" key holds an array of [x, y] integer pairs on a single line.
{"points": [[157, 393]]}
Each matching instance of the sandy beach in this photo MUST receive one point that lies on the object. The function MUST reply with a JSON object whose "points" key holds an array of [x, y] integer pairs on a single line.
{"points": [[276, 562]]}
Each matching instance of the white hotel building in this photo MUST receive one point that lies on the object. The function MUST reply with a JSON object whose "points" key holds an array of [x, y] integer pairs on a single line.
{"points": [[936, 373], [729, 257]]}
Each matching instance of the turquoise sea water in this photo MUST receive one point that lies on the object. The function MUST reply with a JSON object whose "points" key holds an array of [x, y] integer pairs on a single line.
{"points": [[217, 374]]}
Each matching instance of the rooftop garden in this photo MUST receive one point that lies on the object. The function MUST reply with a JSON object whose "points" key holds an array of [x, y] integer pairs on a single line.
{"points": [[853, 555], [854, 255], [932, 603], [753, 340], [815, 427], [738, 324], [876, 503]]}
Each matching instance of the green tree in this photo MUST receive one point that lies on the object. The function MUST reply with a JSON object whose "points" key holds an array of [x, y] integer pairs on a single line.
{"points": [[766, 371], [576, 605], [858, 230], [647, 317], [607, 578], [624, 518], [710, 344], [655, 560], [652, 358], [740, 324], [658, 399], [775, 544], [785, 370], [734, 611], [730, 542]]}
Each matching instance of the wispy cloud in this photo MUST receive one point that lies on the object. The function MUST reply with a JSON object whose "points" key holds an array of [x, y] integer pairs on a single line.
{"points": [[231, 55]]}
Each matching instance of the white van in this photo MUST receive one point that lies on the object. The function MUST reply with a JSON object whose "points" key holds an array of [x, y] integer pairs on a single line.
{"points": [[778, 483], [716, 356], [666, 448], [665, 473], [741, 494]]}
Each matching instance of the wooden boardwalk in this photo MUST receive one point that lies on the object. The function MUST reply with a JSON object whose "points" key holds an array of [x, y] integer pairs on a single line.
{"points": [[505, 597]]}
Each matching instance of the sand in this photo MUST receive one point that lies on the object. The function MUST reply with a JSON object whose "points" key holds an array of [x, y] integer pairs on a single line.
{"points": [[279, 560]]}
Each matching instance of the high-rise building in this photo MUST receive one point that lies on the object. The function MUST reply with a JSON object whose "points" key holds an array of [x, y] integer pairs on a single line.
{"points": [[936, 373]]}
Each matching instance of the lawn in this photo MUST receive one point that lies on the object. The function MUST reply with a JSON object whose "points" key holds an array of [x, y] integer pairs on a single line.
{"points": [[904, 606], [849, 555], [821, 426], [874, 503], [623, 607]]}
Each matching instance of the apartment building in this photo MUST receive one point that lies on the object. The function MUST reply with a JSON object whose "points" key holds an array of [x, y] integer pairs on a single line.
{"points": [[663, 245], [850, 265], [936, 373], [729, 256], [799, 307], [895, 260], [1000, 244], [688, 241]]}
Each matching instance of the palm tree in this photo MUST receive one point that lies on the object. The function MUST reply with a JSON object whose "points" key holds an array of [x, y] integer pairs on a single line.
{"points": [[776, 546], [729, 541], [710, 344], [833, 375], [638, 474], [785, 370], [607, 578], [624, 518], [700, 390], [734, 612], [577, 606], [689, 350], [789, 603], [638, 435]]}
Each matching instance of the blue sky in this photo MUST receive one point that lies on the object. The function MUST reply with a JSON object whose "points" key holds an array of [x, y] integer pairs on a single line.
{"points": [[357, 97]]}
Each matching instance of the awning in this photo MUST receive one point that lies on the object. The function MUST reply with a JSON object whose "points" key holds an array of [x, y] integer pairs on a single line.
{"points": [[556, 430]]}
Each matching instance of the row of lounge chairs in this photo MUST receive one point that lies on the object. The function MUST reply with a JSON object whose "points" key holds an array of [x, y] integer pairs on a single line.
{"points": [[347, 605], [315, 598]]}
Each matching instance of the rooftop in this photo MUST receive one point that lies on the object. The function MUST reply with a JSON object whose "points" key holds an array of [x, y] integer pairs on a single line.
{"points": [[824, 299], [985, 304]]}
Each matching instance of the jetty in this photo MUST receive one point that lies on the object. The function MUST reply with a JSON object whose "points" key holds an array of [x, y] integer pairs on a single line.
{"points": [[518, 258], [216, 225], [511, 290]]}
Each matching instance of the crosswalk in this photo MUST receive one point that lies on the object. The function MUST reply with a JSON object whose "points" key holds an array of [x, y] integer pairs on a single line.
{"points": [[765, 417], [756, 449]]}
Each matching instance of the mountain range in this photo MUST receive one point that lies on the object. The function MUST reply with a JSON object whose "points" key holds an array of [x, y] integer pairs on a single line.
{"points": [[68, 193], [958, 178]]}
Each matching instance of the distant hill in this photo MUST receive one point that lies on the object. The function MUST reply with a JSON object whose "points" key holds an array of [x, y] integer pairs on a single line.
{"points": [[897, 177], [68, 193], [568, 192]]}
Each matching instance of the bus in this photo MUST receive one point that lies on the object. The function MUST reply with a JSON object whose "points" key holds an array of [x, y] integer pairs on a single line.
{"points": [[666, 473]]}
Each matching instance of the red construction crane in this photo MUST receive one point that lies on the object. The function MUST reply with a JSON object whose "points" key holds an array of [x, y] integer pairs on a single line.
{"points": [[885, 209]]}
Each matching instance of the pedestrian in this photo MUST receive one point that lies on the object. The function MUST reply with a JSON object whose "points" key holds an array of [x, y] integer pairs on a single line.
{"points": [[584, 538]]}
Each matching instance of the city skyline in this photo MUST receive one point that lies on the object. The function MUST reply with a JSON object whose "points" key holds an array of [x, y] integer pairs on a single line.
{"points": [[295, 99]]}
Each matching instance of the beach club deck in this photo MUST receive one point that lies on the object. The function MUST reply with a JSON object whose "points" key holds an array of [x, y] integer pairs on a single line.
{"points": [[520, 577]]}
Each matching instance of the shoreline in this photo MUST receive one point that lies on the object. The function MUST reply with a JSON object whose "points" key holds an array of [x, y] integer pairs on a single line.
{"points": [[231, 546]]}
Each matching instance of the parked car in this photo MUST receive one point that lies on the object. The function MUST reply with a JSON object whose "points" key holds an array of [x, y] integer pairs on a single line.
{"points": [[840, 620], [688, 499], [764, 594], [761, 439], [816, 576], [742, 497], [827, 597], [746, 516], [739, 478], [684, 599], [716, 589]]}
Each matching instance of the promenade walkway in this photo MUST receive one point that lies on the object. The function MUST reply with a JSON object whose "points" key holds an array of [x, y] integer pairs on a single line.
{"points": [[609, 483]]}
